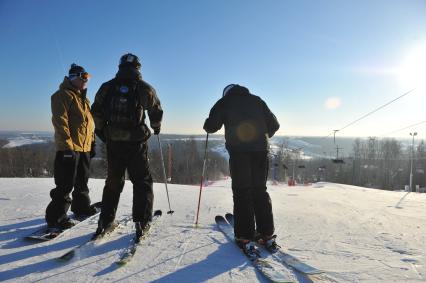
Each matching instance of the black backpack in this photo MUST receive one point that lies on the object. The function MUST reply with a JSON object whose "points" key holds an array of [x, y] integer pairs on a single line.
{"points": [[123, 108]]}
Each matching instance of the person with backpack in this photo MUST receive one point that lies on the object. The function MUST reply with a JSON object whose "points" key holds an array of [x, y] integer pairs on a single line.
{"points": [[248, 125], [75, 146], [119, 114]]}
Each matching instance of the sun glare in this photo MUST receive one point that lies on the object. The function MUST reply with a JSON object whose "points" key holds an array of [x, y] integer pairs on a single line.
{"points": [[332, 103], [412, 72]]}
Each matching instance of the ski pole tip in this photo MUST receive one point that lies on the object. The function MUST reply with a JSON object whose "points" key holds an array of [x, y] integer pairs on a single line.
{"points": [[170, 212]]}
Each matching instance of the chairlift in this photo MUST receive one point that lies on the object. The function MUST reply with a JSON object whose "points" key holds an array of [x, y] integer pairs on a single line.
{"points": [[338, 161], [285, 167], [301, 166]]}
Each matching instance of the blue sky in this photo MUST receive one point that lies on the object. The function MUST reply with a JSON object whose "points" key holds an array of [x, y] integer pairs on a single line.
{"points": [[296, 55]]}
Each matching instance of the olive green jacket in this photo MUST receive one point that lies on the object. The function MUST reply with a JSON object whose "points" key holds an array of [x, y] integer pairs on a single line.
{"points": [[71, 118]]}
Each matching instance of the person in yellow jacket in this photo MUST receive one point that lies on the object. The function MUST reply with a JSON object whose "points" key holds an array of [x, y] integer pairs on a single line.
{"points": [[74, 139]]}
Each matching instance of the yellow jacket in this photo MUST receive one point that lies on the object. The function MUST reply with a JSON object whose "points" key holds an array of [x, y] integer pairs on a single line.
{"points": [[71, 118]]}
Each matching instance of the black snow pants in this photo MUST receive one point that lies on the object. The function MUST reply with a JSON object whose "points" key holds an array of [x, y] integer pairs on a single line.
{"points": [[132, 156], [252, 203], [69, 174]]}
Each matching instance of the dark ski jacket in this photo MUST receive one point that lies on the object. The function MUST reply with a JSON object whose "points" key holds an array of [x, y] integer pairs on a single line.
{"points": [[145, 98], [248, 121]]}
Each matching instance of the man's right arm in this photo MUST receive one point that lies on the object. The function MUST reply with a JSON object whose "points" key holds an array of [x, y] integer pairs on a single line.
{"points": [[270, 119], [215, 120], [60, 105]]}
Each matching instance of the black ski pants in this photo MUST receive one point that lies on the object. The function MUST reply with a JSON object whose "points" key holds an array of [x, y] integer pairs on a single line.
{"points": [[252, 203], [132, 156], [69, 174]]}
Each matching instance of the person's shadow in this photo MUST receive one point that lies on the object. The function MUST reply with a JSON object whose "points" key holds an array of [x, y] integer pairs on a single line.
{"points": [[213, 265], [17, 231], [50, 264]]}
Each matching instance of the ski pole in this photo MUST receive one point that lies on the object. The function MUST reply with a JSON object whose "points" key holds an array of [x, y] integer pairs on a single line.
{"points": [[164, 174], [202, 179]]}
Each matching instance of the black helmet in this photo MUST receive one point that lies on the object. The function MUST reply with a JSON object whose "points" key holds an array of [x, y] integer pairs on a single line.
{"points": [[234, 89], [130, 59]]}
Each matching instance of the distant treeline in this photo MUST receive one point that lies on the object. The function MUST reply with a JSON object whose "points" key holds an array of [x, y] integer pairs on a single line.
{"points": [[375, 163], [183, 159]]}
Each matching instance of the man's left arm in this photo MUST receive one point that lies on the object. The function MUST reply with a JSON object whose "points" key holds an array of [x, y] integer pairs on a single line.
{"points": [[155, 112]]}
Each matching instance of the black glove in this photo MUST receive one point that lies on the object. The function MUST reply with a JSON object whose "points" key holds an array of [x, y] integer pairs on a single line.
{"points": [[93, 150], [100, 135], [156, 131]]}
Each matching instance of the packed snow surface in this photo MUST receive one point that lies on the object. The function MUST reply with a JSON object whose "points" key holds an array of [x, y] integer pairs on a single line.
{"points": [[353, 233]]}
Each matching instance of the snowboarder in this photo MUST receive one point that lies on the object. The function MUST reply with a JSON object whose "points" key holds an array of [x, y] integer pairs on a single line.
{"points": [[75, 145], [119, 113], [248, 125]]}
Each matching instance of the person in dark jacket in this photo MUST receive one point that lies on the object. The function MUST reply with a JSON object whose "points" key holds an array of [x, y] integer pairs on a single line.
{"points": [[119, 114], [248, 125], [75, 145]]}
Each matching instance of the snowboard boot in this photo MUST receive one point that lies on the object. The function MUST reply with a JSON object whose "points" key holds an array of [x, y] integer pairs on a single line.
{"points": [[61, 225], [90, 211]]}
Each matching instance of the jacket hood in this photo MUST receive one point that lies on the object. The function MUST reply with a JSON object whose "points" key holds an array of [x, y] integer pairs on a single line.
{"points": [[66, 84]]}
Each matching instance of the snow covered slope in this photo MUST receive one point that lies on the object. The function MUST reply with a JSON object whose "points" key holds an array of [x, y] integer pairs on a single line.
{"points": [[356, 234]]}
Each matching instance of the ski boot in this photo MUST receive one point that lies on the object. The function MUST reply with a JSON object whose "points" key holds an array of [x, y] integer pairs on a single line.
{"points": [[269, 243], [141, 230], [104, 229], [249, 248]]}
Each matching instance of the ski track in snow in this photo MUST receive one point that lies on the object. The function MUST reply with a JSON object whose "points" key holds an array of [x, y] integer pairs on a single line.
{"points": [[355, 234]]}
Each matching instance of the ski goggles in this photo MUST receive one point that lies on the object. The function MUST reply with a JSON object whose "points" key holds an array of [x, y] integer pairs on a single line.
{"points": [[84, 76]]}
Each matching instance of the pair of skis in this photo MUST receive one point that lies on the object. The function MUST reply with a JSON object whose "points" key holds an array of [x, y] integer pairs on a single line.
{"points": [[280, 266], [127, 253]]}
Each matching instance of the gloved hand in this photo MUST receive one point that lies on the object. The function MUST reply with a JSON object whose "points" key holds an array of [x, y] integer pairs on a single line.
{"points": [[93, 150], [100, 135], [156, 130]]}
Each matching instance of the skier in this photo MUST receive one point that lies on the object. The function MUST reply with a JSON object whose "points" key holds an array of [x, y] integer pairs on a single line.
{"points": [[248, 125], [75, 145], [119, 113]]}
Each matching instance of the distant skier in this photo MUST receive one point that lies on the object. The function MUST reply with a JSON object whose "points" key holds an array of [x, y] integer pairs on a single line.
{"points": [[119, 113], [75, 145], [248, 125]]}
